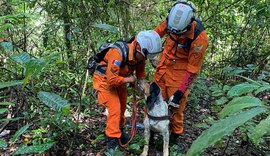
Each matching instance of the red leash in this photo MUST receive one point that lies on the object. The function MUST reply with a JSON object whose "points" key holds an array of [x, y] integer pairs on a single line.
{"points": [[133, 121]]}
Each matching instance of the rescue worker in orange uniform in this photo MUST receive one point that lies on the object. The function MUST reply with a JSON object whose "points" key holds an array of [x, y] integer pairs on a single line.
{"points": [[179, 64], [111, 85]]}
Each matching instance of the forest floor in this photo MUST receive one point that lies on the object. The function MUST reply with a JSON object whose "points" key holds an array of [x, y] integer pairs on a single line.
{"points": [[92, 136], [91, 141]]}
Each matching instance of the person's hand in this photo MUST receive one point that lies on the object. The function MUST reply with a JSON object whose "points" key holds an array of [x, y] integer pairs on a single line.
{"points": [[175, 99], [130, 79]]}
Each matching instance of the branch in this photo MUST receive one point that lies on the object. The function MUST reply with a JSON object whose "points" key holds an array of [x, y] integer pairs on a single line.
{"points": [[223, 9]]}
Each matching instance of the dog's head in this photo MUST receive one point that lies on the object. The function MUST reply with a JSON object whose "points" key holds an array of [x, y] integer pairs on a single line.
{"points": [[144, 86], [153, 95]]}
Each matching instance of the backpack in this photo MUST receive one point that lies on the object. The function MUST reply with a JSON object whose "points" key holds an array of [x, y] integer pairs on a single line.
{"points": [[198, 29], [93, 62]]}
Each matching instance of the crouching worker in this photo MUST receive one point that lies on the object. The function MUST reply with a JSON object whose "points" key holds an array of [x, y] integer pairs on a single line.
{"points": [[112, 75]]}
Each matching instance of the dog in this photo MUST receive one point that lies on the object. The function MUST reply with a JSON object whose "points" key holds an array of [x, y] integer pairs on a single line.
{"points": [[157, 117]]}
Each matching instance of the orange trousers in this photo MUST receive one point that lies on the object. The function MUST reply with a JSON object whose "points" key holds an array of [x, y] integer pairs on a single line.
{"points": [[176, 123], [115, 101]]}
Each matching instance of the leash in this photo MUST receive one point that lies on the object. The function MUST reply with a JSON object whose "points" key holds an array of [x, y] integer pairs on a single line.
{"points": [[133, 120]]}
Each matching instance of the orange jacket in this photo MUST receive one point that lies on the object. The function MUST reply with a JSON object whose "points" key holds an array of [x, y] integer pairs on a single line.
{"points": [[115, 72], [174, 60]]}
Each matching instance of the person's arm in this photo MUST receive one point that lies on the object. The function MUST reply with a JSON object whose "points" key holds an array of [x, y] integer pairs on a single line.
{"points": [[195, 60], [113, 68], [196, 53], [161, 29]]}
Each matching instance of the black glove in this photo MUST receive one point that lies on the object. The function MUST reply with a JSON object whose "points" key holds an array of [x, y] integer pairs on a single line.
{"points": [[175, 98]]}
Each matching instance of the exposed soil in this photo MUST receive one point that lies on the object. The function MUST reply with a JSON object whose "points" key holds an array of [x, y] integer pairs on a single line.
{"points": [[231, 146], [90, 139]]}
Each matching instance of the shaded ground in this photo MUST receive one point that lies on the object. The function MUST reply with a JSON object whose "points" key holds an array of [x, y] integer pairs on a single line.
{"points": [[94, 142], [90, 139]]}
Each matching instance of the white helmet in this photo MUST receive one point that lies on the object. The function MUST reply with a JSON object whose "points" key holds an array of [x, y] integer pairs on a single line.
{"points": [[150, 42], [180, 17]]}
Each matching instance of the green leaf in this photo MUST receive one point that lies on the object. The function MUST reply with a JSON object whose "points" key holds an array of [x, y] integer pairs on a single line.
{"points": [[7, 46], [250, 66], [7, 104], [21, 58], [18, 16], [98, 138], [5, 26], [217, 93], [66, 110], [239, 103], [221, 101], [228, 69], [11, 83], [34, 149], [261, 89], [202, 125], [134, 147], [106, 27], [216, 108], [3, 143], [249, 80], [236, 71], [19, 132], [11, 119], [241, 89], [220, 129], [226, 88], [3, 110], [261, 129], [33, 67], [2, 97], [52, 100]]}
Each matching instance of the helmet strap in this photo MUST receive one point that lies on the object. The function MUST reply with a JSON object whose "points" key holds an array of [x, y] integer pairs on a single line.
{"points": [[145, 52], [190, 24], [135, 48]]}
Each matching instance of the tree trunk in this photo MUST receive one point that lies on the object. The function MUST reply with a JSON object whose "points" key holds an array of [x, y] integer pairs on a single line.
{"points": [[67, 32]]}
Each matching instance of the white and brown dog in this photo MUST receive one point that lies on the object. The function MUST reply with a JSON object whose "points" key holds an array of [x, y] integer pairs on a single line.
{"points": [[157, 118]]}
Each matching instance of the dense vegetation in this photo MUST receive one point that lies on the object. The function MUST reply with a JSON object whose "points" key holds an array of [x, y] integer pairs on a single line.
{"points": [[45, 96]]}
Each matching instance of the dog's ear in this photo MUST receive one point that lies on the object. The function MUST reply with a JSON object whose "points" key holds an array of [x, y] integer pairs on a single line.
{"points": [[154, 88], [154, 92]]}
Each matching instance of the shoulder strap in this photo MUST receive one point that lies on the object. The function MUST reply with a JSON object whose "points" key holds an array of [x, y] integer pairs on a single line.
{"points": [[120, 45], [198, 29], [123, 48], [102, 51]]}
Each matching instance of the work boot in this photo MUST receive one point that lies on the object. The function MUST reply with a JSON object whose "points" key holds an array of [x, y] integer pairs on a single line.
{"points": [[124, 136], [112, 144]]}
